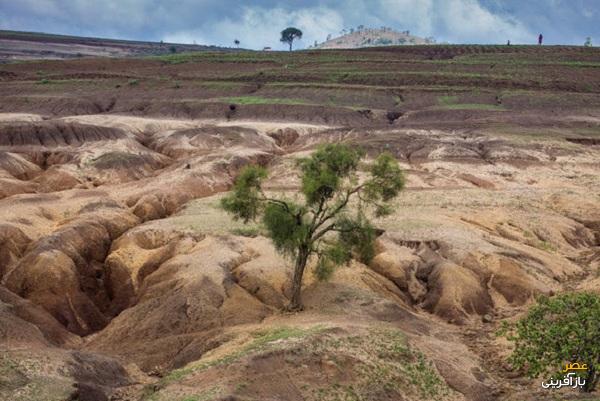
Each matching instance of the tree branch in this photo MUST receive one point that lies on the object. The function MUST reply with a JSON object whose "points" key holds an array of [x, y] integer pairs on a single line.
{"points": [[317, 214], [323, 231], [275, 201], [342, 205]]}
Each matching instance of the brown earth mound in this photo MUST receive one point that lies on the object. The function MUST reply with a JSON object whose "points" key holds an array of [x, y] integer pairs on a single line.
{"points": [[115, 255], [63, 272], [54, 134]]}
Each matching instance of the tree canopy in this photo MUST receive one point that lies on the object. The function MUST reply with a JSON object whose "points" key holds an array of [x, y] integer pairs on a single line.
{"points": [[559, 330], [323, 224], [288, 35]]}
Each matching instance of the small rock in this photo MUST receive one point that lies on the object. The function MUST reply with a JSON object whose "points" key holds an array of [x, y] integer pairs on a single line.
{"points": [[487, 318]]}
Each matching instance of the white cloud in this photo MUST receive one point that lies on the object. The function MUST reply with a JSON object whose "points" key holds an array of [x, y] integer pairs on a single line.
{"points": [[187, 37], [587, 13], [258, 23], [449, 20], [259, 27], [415, 15], [467, 21]]}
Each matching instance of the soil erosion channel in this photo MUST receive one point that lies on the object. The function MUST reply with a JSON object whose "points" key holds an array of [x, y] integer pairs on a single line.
{"points": [[122, 279]]}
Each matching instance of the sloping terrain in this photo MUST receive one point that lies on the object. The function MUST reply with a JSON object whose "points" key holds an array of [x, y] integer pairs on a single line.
{"points": [[369, 37], [16, 45], [122, 279]]}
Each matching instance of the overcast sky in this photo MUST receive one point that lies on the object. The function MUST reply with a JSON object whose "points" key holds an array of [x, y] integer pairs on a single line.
{"points": [[258, 23]]}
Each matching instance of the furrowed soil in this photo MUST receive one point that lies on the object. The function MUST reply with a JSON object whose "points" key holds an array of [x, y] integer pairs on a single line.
{"points": [[121, 278]]}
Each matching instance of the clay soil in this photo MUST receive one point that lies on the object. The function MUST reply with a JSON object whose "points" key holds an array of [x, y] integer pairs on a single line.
{"points": [[122, 279]]}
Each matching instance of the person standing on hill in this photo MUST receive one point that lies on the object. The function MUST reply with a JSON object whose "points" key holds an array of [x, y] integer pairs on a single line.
{"points": [[540, 39]]}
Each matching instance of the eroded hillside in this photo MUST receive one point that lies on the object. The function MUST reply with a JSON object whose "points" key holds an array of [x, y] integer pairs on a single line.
{"points": [[122, 279]]}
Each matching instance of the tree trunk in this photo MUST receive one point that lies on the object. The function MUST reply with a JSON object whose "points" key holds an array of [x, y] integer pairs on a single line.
{"points": [[296, 301], [290, 46]]}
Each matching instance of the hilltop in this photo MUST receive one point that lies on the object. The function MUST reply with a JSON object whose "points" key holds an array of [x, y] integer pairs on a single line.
{"points": [[368, 37]]}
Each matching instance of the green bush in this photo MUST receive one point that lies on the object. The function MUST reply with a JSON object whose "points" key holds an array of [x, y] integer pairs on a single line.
{"points": [[558, 330]]}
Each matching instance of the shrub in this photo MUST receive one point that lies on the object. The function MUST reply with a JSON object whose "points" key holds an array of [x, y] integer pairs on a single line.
{"points": [[557, 330]]}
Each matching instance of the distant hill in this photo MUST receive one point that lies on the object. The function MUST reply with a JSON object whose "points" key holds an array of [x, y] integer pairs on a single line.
{"points": [[15, 45], [368, 37]]}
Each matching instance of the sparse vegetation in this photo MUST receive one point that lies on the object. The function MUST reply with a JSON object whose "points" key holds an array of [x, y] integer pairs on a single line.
{"points": [[260, 340], [474, 106], [246, 231], [545, 246], [383, 362], [450, 102], [447, 100], [262, 100]]}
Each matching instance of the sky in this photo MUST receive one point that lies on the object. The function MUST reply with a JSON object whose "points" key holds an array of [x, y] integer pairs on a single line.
{"points": [[258, 23]]}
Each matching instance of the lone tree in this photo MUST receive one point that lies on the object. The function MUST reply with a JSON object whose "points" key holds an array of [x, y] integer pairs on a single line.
{"points": [[288, 35], [236, 43], [322, 224], [559, 330]]}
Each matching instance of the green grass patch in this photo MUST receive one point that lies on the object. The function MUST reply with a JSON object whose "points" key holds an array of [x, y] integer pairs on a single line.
{"points": [[57, 82], [205, 395], [472, 106], [290, 60], [245, 100], [545, 246], [231, 57], [246, 231], [511, 60], [221, 84], [447, 100]]}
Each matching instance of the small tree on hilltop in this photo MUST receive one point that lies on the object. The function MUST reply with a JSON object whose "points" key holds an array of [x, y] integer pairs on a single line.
{"points": [[236, 43], [288, 35], [321, 225], [559, 330]]}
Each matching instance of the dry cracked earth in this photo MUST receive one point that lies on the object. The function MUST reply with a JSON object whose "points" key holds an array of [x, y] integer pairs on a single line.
{"points": [[121, 279]]}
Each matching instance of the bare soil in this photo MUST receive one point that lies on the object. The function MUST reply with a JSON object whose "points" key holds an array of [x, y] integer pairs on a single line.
{"points": [[122, 279]]}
